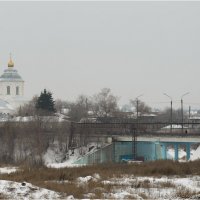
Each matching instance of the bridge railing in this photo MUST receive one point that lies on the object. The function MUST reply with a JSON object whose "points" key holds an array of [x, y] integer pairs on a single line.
{"points": [[141, 127]]}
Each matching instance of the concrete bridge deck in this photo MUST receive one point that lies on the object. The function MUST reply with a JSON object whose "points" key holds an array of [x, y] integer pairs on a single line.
{"points": [[160, 138]]}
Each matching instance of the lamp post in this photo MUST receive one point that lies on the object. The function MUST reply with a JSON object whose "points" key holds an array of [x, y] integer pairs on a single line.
{"points": [[170, 111], [182, 108]]}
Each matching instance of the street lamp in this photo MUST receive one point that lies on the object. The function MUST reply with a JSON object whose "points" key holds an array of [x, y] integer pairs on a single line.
{"points": [[182, 108], [170, 110]]}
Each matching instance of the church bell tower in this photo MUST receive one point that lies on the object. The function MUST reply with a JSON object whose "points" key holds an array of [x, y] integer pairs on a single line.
{"points": [[11, 83]]}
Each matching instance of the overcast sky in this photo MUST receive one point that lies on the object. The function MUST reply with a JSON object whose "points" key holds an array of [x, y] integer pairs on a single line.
{"points": [[134, 48]]}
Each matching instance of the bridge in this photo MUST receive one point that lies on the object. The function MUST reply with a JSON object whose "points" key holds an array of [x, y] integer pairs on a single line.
{"points": [[164, 141], [148, 140]]}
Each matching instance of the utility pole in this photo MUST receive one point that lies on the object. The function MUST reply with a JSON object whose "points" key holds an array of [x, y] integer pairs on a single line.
{"points": [[137, 107], [134, 131], [171, 120], [189, 112], [182, 120], [134, 140], [71, 136], [182, 113]]}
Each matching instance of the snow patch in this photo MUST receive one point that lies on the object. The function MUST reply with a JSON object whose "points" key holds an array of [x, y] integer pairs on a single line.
{"points": [[55, 157], [171, 153], [15, 190], [174, 126], [196, 154], [8, 170], [83, 180]]}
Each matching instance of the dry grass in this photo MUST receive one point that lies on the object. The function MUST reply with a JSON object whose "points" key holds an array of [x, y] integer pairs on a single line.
{"points": [[166, 184], [156, 168], [78, 191], [65, 188], [185, 193], [3, 196], [47, 177], [143, 184], [98, 188], [143, 195]]}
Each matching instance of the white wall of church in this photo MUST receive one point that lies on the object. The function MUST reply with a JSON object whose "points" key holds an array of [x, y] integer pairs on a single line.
{"points": [[13, 86]]}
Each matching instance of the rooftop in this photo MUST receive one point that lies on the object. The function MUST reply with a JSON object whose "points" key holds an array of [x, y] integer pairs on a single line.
{"points": [[10, 74]]}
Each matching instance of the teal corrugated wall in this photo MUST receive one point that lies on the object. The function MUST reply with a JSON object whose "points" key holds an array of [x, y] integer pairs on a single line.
{"points": [[117, 151]]}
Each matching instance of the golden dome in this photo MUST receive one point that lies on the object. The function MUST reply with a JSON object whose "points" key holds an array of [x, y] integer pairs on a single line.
{"points": [[10, 63]]}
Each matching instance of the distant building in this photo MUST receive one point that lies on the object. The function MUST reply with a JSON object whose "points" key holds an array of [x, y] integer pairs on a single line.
{"points": [[11, 89]]}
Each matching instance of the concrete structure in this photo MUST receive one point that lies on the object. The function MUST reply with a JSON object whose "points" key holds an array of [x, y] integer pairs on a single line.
{"points": [[164, 141], [121, 151], [148, 148]]}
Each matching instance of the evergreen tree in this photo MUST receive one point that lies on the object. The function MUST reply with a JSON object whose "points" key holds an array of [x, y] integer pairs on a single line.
{"points": [[45, 102]]}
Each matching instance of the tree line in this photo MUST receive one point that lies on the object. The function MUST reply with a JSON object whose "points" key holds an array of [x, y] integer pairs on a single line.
{"points": [[102, 104]]}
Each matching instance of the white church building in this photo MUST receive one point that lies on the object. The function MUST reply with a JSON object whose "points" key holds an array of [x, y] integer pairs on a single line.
{"points": [[11, 89]]}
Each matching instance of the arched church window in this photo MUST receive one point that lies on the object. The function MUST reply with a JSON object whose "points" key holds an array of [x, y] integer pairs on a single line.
{"points": [[8, 90], [17, 90]]}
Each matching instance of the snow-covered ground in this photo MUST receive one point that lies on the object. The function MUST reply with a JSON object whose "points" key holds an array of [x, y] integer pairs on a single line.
{"points": [[171, 154], [8, 170], [15, 190], [55, 157], [146, 187], [57, 118], [123, 187], [195, 154]]}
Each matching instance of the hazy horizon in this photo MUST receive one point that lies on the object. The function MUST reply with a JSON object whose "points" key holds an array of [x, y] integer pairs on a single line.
{"points": [[133, 48]]}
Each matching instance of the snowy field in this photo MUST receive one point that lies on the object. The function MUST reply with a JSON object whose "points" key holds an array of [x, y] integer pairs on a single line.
{"points": [[126, 187], [94, 186], [15, 190], [148, 187]]}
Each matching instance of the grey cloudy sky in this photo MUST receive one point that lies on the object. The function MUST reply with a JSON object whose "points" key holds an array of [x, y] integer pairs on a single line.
{"points": [[77, 48]]}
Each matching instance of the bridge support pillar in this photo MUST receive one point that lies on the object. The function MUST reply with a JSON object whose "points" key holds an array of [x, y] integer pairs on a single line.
{"points": [[164, 151], [187, 151], [176, 151]]}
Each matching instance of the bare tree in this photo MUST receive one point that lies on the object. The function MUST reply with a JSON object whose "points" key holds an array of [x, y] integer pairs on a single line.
{"points": [[142, 106], [176, 115], [79, 109], [104, 103], [59, 105], [28, 109]]}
